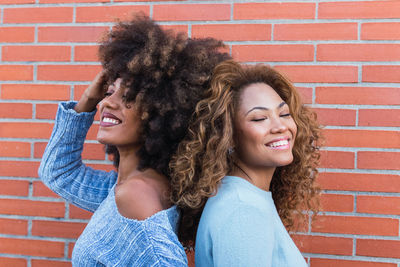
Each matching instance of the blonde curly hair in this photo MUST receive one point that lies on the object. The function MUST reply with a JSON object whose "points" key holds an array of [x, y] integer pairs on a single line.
{"points": [[202, 158]]}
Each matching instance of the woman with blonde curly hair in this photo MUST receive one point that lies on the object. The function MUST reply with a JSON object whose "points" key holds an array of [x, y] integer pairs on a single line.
{"points": [[247, 166]]}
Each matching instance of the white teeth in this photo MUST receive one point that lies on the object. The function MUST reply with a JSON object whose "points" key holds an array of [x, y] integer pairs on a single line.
{"points": [[109, 120], [279, 143]]}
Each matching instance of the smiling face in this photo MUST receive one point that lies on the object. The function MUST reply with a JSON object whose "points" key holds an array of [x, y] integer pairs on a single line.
{"points": [[264, 129], [120, 121]]}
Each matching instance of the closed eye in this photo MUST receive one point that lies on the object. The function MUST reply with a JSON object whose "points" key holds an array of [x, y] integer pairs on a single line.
{"points": [[285, 115], [259, 119]]}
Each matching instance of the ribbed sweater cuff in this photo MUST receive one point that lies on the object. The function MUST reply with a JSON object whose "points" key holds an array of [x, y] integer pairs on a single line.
{"points": [[76, 124]]}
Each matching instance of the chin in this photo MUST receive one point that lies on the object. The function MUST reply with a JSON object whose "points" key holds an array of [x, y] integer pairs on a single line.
{"points": [[285, 162], [103, 140]]}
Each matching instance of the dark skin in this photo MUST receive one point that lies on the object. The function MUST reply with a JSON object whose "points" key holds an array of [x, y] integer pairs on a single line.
{"points": [[139, 194]]}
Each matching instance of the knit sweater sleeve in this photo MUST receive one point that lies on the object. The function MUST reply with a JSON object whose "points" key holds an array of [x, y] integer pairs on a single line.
{"points": [[245, 238], [62, 169]]}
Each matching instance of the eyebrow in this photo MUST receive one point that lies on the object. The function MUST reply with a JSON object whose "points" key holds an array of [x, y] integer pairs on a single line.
{"points": [[264, 108]]}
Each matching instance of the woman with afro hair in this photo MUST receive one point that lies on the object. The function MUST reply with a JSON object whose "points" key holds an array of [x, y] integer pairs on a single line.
{"points": [[147, 92], [247, 166]]}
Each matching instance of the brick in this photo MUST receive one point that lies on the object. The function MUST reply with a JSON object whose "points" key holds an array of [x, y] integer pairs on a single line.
{"points": [[50, 263], [358, 52], [35, 91], [38, 149], [381, 74], [323, 244], [323, 74], [355, 225], [176, 28], [78, 213], [57, 228], [19, 168], [67, 72], [32, 208], [15, 149], [315, 262], [31, 247], [359, 10], [181, 12], [337, 202], [70, 248], [41, 190], [36, 53], [362, 138], [316, 31], [14, 187], [92, 133], [379, 117], [16, 72], [17, 34], [378, 248], [380, 31], [274, 11], [336, 116], [86, 53], [71, 1], [38, 15], [14, 262], [71, 34], [233, 32], [281, 52], [357, 95], [190, 257], [378, 160], [15, 110], [25, 130], [337, 159], [359, 182], [93, 151], [5, 2], [46, 111], [378, 205], [13, 227], [306, 94], [109, 13]]}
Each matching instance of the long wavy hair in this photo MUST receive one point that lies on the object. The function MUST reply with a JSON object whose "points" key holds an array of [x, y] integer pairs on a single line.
{"points": [[202, 158]]}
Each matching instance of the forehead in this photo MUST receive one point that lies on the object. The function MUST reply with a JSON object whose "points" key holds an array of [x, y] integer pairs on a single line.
{"points": [[260, 95]]}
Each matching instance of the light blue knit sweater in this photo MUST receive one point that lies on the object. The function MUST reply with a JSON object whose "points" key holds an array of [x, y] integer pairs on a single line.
{"points": [[240, 227], [109, 239]]}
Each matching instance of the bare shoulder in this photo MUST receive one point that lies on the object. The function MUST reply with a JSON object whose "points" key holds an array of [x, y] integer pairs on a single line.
{"points": [[138, 199]]}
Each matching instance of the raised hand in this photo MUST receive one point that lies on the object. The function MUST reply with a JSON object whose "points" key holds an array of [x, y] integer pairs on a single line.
{"points": [[93, 94]]}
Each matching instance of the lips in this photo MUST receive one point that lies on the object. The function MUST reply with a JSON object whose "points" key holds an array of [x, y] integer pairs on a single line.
{"points": [[108, 120], [279, 143]]}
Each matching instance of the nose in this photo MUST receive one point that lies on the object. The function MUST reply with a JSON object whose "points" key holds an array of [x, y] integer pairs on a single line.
{"points": [[110, 101], [278, 125]]}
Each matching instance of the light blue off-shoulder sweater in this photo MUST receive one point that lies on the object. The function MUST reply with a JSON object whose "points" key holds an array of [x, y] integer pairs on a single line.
{"points": [[109, 239], [240, 227]]}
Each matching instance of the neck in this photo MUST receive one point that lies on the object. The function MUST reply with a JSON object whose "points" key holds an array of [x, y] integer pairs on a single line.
{"points": [[129, 163], [260, 177]]}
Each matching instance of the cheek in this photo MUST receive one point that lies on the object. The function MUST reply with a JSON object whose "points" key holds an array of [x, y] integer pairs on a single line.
{"points": [[250, 136]]}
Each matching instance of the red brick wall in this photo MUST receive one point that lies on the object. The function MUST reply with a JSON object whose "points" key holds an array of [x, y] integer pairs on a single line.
{"points": [[343, 56]]}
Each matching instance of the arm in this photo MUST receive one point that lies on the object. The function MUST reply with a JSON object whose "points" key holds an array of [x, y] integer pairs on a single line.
{"points": [[61, 167], [246, 238]]}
